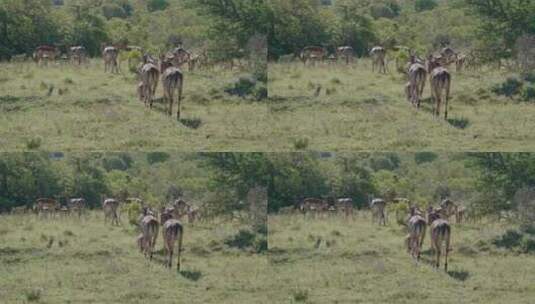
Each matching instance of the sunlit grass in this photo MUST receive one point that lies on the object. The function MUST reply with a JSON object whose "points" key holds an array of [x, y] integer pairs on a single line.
{"points": [[72, 261], [359, 262], [72, 108], [360, 110]]}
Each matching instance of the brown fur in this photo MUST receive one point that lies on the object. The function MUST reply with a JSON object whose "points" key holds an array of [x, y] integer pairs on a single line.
{"points": [[173, 230], [110, 207], [440, 233], [149, 228], [378, 55]]}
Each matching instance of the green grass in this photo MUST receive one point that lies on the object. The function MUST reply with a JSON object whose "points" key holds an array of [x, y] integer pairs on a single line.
{"points": [[360, 110], [70, 108], [360, 262], [71, 261]]}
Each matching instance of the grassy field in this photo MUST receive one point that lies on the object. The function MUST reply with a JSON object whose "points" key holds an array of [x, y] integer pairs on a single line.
{"points": [[71, 109], [89, 262], [357, 262], [360, 110]]}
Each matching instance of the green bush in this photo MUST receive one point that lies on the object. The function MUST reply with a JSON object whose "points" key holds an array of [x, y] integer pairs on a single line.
{"points": [[509, 88], [157, 5], [528, 93], [242, 87], [425, 5]]}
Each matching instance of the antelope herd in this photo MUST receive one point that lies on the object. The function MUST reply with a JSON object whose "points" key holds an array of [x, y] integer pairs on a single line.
{"points": [[435, 219], [149, 223], [435, 66]]}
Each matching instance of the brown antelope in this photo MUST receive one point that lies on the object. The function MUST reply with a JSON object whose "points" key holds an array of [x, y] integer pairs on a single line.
{"points": [[378, 55], [314, 205], [416, 85], [44, 54], [193, 62], [448, 55], [449, 208], [172, 230], [149, 74], [76, 205], [459, 216], [110, 207], [460, 59], [180, 56], [173, 80], [149, 230], [46, 206], [110, 55], [440, 80], [440, 233], [417, 226], [312, 53], [345, 204], [78, 54], [345, 52], [193, 213], [378, 207]]}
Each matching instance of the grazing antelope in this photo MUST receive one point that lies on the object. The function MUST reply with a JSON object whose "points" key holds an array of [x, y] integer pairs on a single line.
{"points": [[314, 205], [416, 85], [172, 230], [110, 55], [378, 55], [345, 204], [76, 205], [149, 82], [378, 210], [417, 226], [110, 207], [312, 53], [44, 54], [440, 233], [345, 52], [149, 230], [173, 80], [78, 54], [46, 206], [440, 80]]}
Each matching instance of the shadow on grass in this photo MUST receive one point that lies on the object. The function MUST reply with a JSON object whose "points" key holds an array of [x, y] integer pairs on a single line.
{"points": [[459, 123], [191, 275], [459, 275]]}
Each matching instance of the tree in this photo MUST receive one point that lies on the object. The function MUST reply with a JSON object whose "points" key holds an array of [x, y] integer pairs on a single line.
{"points": [[157, 5], [424, 5]]}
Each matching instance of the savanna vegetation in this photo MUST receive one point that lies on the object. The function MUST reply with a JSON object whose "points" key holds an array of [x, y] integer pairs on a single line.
{"points": [[62, 258], [331, 106], [329, 258], [81, 107]]}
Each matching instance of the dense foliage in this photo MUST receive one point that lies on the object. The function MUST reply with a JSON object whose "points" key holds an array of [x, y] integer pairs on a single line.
{"points": [[220, 27]]}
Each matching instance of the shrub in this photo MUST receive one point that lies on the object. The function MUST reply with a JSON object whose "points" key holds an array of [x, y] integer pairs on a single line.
{"points": [[242, 240], [34, 143], [157, 5], [157, 157], [528, 93], [425, 5], [242, 87], [509, 88], [529, 77], [33, 295], [424, 157], [510, 239]]}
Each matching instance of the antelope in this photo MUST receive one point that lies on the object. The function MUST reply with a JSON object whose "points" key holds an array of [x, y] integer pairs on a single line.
{"points": [[449, 208], [180, 56], [345, 204], [172, 230], [110, 55], [78, 54], [345, 52], [378, 55], [193, 213], [449, 55], [46, 206], [440, 233], [149, 82], [173, 80], [378, 208], [313, 53], [460, 59], [416, 85], [149, 228], [19, 210], [417, 226], [76, 205], [110, 207], [45, 53], [313, 205], [459, 216], [440, 80], [193, 62]]}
